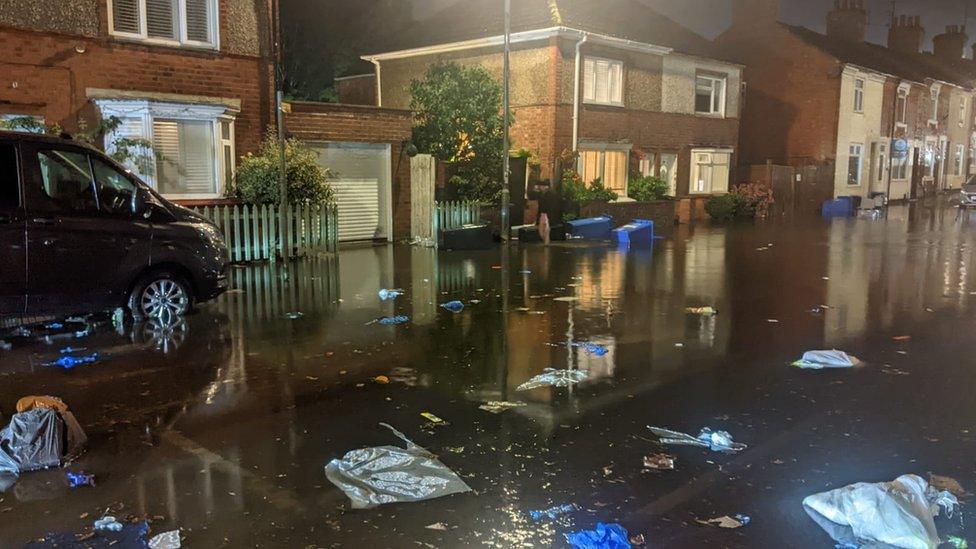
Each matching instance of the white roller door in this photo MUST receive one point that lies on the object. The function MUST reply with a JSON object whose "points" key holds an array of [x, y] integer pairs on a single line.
{"points": [[361, 178]]}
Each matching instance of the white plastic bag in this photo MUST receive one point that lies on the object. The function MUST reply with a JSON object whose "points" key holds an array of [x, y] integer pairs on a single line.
{"points": [[898, 513], [551, 377]]}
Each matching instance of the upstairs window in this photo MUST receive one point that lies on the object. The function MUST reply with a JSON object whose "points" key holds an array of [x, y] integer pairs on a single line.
{"points": [[710, 95], [859, 95], [901, 107], [934, 108], [962, 111], [603, 81], [169, 22]]}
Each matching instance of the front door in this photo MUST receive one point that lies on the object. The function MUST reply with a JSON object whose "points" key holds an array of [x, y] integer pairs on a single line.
{"points": [[13, 244], [83, 250]]}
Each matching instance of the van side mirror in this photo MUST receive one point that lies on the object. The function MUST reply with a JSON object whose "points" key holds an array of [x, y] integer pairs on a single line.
{"points": [[140, 202]]}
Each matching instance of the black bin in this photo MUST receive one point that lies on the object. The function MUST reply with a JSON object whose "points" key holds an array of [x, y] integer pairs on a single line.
{"points": [[468, 237]]}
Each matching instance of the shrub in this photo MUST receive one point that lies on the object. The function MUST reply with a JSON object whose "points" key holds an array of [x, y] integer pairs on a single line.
{"points": [[257, 175], [727, 207], [759, 197], [647, 189], [575, 190]]}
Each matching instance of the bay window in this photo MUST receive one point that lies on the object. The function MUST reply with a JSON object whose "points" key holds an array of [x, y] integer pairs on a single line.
{"points": [[168, 22], [608, 164], [603, 81], [192, 146], [710, 171]]}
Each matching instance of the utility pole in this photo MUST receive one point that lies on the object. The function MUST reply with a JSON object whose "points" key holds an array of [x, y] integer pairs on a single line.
{"points": [[506, 107], [284, 224]]}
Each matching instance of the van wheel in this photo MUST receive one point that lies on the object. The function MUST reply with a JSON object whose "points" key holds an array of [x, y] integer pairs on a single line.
{"points": [[160, 295]]}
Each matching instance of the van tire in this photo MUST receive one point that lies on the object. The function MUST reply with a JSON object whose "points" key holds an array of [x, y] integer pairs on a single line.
{"points": [[169, 292]]}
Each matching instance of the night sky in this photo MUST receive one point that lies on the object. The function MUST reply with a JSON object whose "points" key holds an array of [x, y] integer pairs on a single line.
{"points": [[710, 17]]}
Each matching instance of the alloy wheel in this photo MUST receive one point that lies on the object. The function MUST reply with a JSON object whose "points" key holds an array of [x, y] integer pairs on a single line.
{"points": [[164, 297]]}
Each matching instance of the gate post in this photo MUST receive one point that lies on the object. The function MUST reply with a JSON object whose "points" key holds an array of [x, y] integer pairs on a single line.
{"points": [[422, 183]]}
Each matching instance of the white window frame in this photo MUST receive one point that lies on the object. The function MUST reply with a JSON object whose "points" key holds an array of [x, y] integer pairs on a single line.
{"points": [[882, 149], [590, 64], [721, 82], [959, 161], [934, 92], [182, 40], [901, 115], [603, 149], [963, 110], [147, 111], [860, 164], [711, 153], [859, 84]]}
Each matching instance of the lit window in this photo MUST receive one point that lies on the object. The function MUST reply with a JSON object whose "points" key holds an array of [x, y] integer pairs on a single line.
{"points": [[882, 162], [854, 165], [609, 166], [648, 165], [928, 159], [962, 111], [710, 171], [858, 95], [710, 95], [899, 167], [669, 172], [603, 81], [192, 146], [959, 159], [170, 22]]}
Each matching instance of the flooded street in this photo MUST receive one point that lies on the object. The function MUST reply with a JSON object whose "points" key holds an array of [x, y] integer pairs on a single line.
{"points": [[222, 424]]}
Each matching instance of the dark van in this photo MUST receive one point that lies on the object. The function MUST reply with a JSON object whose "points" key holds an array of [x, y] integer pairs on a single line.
{"points": [[80, 233]]}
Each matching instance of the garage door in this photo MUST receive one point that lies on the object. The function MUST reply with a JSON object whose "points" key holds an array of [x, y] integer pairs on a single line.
{"points": [[361, 181]]}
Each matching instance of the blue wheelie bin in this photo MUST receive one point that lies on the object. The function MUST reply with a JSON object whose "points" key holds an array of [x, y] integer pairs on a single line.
{"points": [[593, 228], [639, 232]]}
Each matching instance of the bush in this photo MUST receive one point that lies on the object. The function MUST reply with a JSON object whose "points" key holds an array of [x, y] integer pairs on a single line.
{"points": [[759, 197], [575, 190], [257, 175], [647, 189], [727, 207]]}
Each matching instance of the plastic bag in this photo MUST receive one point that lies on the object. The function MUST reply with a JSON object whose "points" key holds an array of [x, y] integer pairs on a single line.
{"points": [[390, 474], [604, 536], [551, 377], [898, 513], [391, 320], [166, 540], [592, 348], [818, 360], [453, 306], [386, 294], [32, 441], [717, 441]]}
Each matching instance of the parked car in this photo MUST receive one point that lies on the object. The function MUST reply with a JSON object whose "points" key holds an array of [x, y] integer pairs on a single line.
{"points": [[968, 193], [81, 233]]}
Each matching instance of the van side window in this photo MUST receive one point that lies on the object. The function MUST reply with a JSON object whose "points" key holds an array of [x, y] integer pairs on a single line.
{"points": [[67, 180], [115, 190], [9, 186]]}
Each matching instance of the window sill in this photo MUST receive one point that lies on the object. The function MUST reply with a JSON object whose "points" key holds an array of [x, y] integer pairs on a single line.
{"points": [[599, 104], [716, 115], [173, 44]]}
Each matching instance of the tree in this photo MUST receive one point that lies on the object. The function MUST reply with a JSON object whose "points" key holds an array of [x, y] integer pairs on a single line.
{"points": [[459, 119]]}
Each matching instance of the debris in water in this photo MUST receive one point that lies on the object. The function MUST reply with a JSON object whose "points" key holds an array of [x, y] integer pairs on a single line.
{"points": [[554, 378], [390, 320], [436, 526], [604, 536], [70, 362], [294, 316], [499, 406], [552, 512], [592, 348], [717, 441], [76, 480], [381, 379], [432, 418], [453, 306], [166, 540], [948, 484], [661, 462], [389, 294], [818, 360], [703, 311], [726, 521]]}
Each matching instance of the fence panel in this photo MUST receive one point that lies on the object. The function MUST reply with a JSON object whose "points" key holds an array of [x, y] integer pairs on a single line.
{"points": [[253, 233]]}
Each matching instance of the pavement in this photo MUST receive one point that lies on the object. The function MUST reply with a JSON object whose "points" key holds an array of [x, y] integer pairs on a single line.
{"points": [[222, 424]]}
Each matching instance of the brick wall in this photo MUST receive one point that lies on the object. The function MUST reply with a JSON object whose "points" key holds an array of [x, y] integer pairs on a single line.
{"points": [[359, 90], [663, 213], [48, 74], [362, 124]]}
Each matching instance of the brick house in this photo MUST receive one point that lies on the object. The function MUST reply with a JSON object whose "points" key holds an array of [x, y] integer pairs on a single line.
{"points": [[631, 90], [877, 118], [194, 77]]}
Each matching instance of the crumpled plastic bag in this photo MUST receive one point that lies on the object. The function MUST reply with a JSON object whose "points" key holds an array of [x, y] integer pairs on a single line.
{"points": [[818, 360], [717, 441], [166, 540], [32, 441], [453, 306], [604, 536], [390, 474], [899, 513], [387, 294], [592, 348], [550, 377]]}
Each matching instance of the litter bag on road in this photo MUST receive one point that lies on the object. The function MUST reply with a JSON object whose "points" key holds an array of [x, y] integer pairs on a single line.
{"points": [[551, 377], [818, 360], [604, 536], [898, 513], [32, 441], [717, 441], [390, 474]]}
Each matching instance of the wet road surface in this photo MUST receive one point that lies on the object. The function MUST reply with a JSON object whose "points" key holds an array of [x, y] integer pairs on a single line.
{"points": [[222, 424]]}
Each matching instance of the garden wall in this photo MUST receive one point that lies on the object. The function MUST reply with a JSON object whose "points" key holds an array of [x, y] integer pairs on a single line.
{"points": [[662, 212]]}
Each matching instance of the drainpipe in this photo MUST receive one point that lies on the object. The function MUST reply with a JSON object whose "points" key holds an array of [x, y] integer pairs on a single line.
{"points": [[891, 142], [576, 92], [379, 82]]}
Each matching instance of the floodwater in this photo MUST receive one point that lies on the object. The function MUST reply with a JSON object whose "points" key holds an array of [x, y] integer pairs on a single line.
{"points": [[222, 424]]}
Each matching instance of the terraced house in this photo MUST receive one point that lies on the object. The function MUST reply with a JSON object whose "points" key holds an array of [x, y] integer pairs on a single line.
{"points": [[631, 90], [194, 77]]}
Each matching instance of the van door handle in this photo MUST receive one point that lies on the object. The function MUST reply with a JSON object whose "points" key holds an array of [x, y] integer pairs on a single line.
{"points": [[43, 221]]}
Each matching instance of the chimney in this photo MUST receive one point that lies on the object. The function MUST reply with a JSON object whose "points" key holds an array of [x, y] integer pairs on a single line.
{"points": [[950, 45], [848, 21], [747, 13], [906, 34]]}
